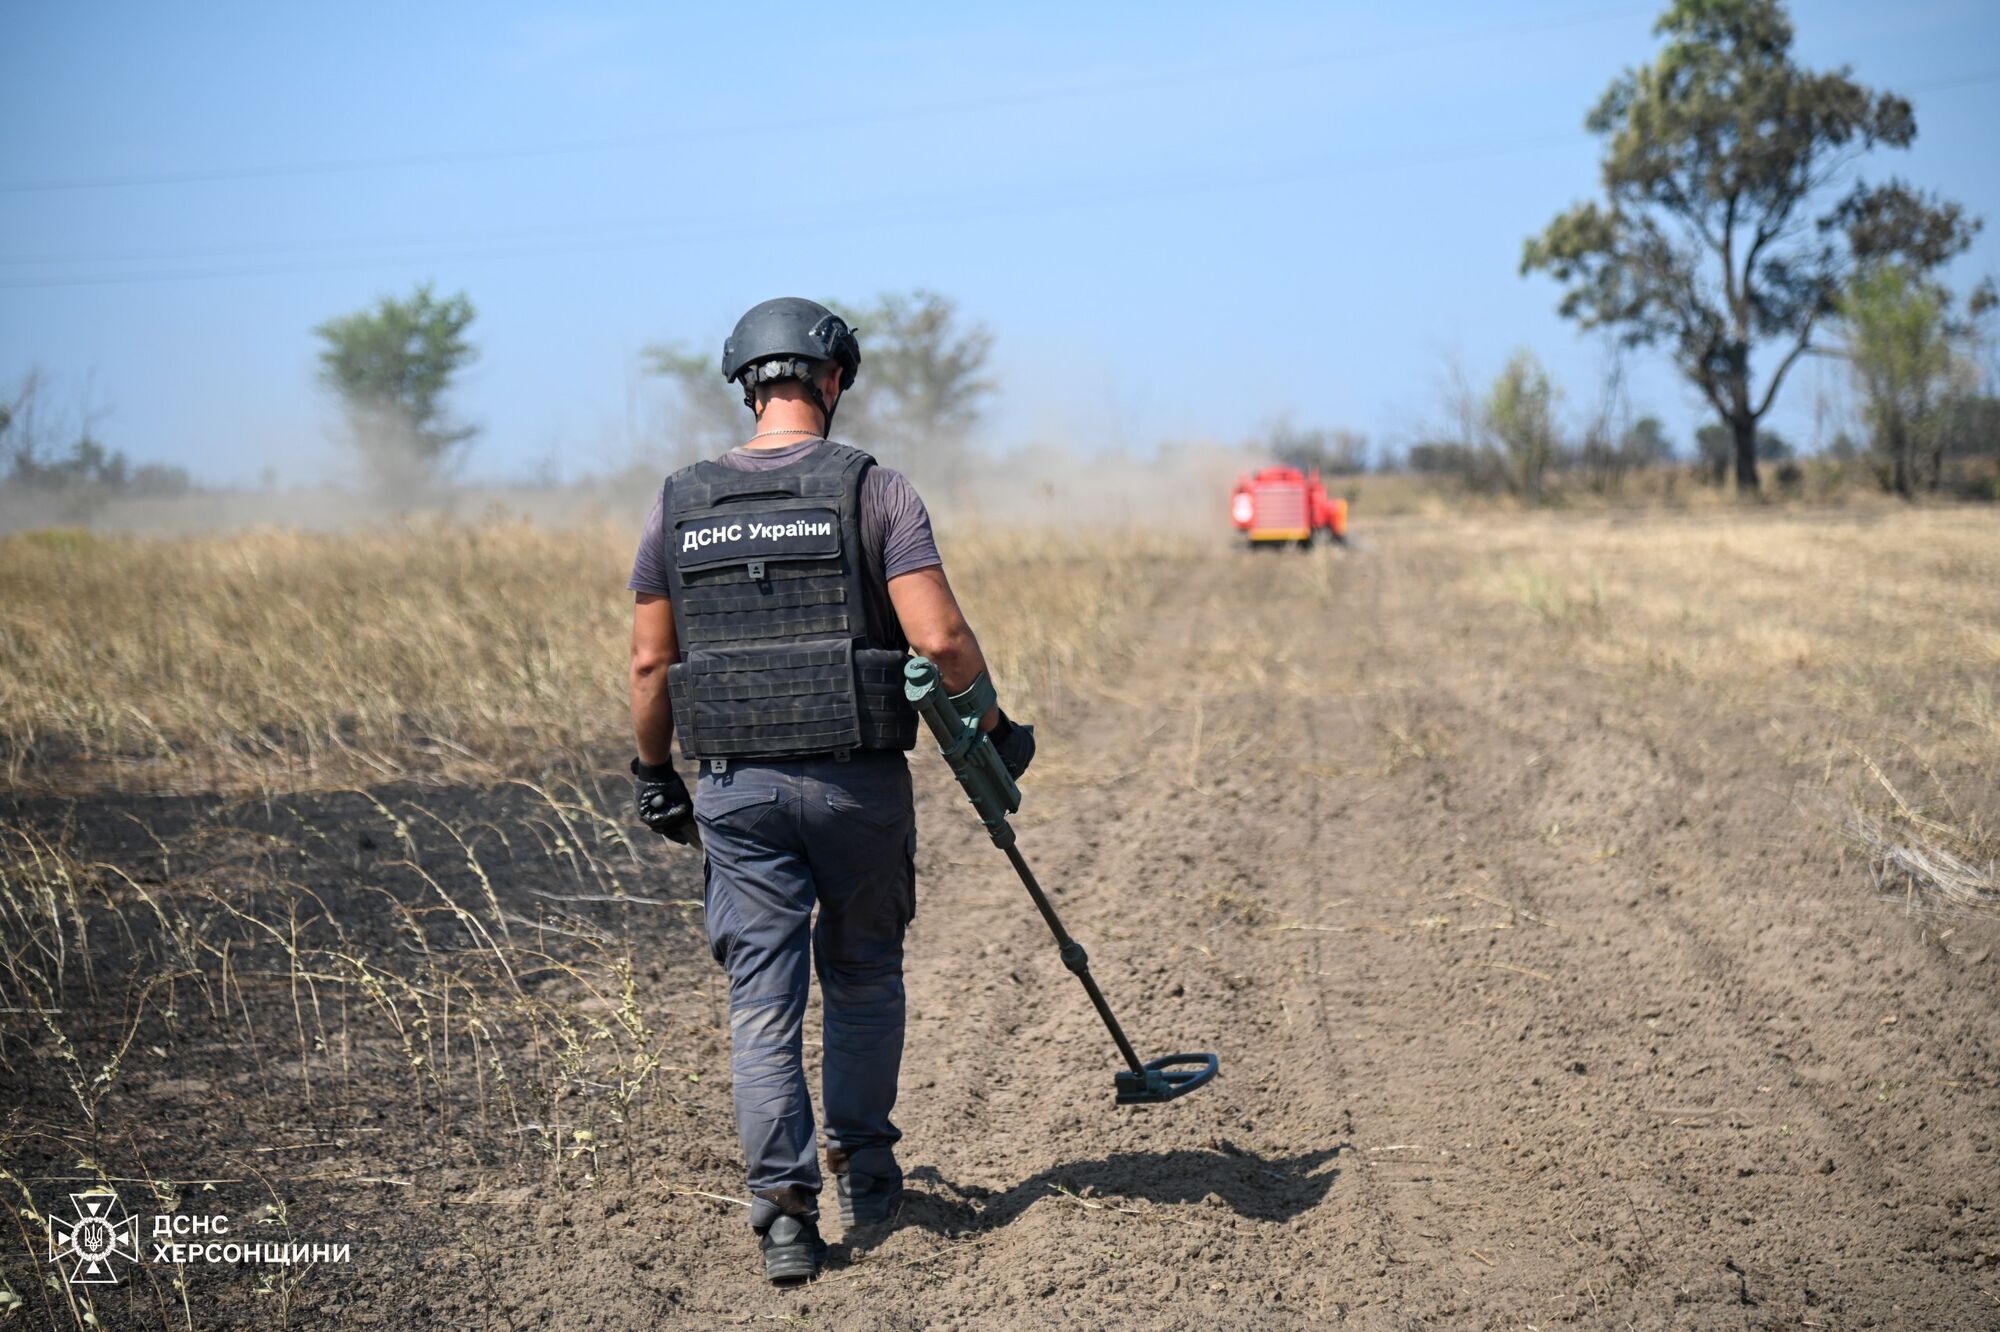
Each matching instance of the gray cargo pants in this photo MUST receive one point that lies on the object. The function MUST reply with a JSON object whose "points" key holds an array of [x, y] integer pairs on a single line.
{"points": [[782, 837]]}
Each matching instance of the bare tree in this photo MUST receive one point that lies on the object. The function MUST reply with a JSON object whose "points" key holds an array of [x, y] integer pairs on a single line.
{"points": [[53, 462]]}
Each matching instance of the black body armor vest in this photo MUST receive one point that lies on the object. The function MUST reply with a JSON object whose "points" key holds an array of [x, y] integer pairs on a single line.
{"points": [[780, 655]]}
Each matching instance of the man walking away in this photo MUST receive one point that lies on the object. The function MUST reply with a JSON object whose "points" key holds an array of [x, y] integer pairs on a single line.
{"points": [[778, 591]]}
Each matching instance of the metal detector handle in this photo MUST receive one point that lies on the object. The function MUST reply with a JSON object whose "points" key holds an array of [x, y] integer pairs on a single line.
{"points": [[954, 721]]}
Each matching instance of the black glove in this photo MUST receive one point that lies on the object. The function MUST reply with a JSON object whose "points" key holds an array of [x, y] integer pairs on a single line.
{"points": [[663, 800], [1016, 744]]}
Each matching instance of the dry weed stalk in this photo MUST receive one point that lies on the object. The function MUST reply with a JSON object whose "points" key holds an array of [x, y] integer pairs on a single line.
{"points": [[490, 1032], [1926, 863]]}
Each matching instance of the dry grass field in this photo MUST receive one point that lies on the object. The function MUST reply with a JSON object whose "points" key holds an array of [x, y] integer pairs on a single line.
{"points": [[280, 661], [1595, 913]]}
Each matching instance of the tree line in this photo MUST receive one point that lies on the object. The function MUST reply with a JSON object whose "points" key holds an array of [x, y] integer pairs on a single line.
{"points": [[924, 387], [391, 367], [1510, 437], [50, 452]]}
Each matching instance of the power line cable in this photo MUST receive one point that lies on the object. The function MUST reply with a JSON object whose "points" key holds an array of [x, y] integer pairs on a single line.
{"points": [[734, 231], [336, 244], [593, 238], [568, 238], [997, 101]]}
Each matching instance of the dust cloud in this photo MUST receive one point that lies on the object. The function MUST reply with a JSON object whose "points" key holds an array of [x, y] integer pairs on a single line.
{"points": [[1176, 486]]}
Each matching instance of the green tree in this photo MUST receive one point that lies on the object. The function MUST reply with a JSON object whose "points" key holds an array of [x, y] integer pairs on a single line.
{"points": [[392, 365], [1901, 349], [1443, 457], [1605, 459], [923, 387], [1520, 411], [1715, 447], [1972, 426], [1732, 220]]}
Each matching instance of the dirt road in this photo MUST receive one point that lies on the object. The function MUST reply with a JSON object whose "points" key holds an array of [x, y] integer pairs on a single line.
{"points": [[1543, 998]]}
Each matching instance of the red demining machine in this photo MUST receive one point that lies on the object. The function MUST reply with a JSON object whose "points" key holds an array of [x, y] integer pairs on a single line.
{"points": [[1283, 504]]}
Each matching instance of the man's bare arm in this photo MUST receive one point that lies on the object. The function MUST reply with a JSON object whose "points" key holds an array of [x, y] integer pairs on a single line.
{"points": [[654, 648], [936, 627]]}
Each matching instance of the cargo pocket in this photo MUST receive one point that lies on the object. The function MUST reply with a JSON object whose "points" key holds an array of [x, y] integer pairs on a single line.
{"points": [[877, 815], [715, 915], [728, 817]]}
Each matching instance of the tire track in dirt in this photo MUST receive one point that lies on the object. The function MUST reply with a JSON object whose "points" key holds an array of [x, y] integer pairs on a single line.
{"points": [[1276, 1124], [1131, 834], [1363, 974], [1644, 926], [1386, 1270], [1822, 1129], [1257, 824]]}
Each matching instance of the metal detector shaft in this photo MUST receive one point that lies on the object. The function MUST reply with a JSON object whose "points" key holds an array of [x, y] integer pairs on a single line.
{"points": [[954, 720], [1073, 955]]}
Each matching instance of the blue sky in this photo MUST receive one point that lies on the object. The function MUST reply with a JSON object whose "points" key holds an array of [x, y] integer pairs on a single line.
{"points": [[1179, 220]]}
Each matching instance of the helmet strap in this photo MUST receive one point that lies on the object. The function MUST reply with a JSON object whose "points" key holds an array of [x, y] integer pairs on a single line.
{"points": [[825, 412]]}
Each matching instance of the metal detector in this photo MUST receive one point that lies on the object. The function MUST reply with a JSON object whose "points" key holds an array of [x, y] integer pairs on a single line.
{"points": [[954, 720]]}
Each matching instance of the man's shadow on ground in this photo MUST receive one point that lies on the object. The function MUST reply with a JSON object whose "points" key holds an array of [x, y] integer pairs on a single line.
{"points": [[1261, 1188]]}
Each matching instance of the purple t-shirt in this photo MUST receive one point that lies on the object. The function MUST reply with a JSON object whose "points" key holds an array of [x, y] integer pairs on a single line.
{"points": [[896, 533]]}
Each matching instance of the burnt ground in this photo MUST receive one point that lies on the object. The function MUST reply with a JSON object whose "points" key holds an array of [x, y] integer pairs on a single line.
{"points": [[1544, 997]]}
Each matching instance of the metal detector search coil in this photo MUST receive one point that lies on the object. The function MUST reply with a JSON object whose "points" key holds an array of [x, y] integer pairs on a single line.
{"points": [[954, 720]]}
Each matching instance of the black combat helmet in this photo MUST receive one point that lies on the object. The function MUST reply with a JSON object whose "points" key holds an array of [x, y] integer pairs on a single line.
{"points": [[786, 339]]}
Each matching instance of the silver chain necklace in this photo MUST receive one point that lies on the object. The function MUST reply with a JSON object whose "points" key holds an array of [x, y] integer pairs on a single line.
{"points": [[769, 434]]}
